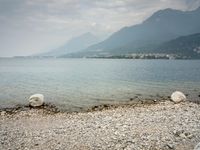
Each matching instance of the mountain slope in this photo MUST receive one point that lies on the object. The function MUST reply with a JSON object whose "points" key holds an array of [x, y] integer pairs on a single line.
{"points": [[162, 26], [181, 47], [185, 45], [74, 45]]}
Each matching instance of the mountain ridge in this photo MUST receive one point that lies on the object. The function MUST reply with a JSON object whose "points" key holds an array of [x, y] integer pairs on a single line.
{"points": [[162, 26], [184, 47], [73, 45]]}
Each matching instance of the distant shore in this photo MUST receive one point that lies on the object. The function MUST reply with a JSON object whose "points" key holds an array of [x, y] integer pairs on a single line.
{"points": [[158, 125], [134, 57]]}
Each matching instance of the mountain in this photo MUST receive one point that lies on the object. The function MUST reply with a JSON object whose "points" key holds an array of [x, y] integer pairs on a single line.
{"points": [[74, 45], [182, 47], [186, 46], [162, 26]]}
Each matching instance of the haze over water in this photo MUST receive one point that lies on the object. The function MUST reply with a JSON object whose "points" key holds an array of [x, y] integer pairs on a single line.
{"points": [[72, 83]]}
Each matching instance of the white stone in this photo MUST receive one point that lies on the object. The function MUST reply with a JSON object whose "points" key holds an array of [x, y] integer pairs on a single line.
{"points": [[3, 113], [197, 147], [36, 100], [178, 97]]}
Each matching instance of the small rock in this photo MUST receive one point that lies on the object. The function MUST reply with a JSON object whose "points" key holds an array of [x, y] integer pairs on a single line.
{"points": [[197, 147], [36, 100], [182, 135], [178, 133], [170, 146], [3, 113], [190, 136], [178, 97]]}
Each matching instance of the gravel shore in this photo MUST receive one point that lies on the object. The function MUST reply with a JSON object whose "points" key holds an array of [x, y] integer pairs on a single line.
{"points": [[160, 126]]}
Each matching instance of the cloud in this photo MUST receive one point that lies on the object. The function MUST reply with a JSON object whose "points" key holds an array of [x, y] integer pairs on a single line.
{"points": [[31, 26]]}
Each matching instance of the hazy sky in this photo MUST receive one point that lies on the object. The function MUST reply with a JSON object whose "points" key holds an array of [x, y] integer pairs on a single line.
{"points": [[32, 26]]}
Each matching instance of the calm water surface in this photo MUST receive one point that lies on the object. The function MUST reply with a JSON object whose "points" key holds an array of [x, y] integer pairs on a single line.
{"points": [[72, 83]]}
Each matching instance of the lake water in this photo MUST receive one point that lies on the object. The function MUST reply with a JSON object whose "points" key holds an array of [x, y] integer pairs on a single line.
{"points": [[74, 83]]}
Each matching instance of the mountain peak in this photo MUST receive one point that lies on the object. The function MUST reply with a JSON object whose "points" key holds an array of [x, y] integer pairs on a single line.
{"points": [[75, 44], [163, 13], [169, 13], [168, 10], [87, 34]]}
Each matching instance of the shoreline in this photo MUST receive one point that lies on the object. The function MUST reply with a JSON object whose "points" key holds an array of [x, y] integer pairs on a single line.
{"points": [[50, 108], [163, 125]]}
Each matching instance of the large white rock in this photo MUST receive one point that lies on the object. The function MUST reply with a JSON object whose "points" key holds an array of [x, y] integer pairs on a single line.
{"points": [[36, 100], [197, 147], [178, 97]]}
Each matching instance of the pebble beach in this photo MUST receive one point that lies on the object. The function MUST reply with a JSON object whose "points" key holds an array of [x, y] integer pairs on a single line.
{"points": [[159, 126]]}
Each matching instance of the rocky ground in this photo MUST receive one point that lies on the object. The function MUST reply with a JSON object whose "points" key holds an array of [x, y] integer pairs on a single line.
{"points": [[159, 126]]}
